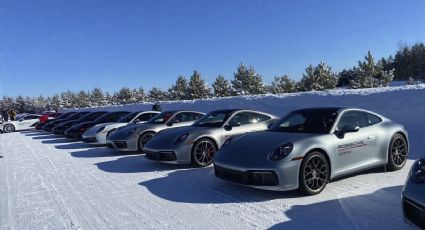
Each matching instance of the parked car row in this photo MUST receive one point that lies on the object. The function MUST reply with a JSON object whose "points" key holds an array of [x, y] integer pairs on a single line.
{"points": [[303, 150]]}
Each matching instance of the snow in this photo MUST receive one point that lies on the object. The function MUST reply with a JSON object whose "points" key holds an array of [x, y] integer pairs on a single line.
{"points": [[49, 182]]}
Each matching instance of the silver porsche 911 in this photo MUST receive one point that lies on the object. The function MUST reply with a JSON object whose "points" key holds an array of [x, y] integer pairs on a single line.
{"points": [[309, 147], [134, 137], [198, 143]]}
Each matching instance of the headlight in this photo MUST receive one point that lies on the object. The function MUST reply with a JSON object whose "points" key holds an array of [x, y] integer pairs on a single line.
{"points": [[417, 173], [100, 129], [182, 138], [281, 152], [133, 130]]}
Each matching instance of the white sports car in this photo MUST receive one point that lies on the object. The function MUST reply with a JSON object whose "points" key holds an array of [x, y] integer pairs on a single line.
{"points": [[24, 122], [98, 133]]}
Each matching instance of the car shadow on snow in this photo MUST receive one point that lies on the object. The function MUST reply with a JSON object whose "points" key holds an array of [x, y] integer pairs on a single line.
{"points": [[378, 210], [59, 140], [77, 145], [48, 136], [97, 152], [199, 185], [135, 164]]}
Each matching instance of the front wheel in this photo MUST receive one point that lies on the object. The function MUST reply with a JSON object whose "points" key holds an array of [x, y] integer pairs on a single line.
{"points": [[397, 152], [203, 152], [144, 139], [9, 128], [314, 173]]}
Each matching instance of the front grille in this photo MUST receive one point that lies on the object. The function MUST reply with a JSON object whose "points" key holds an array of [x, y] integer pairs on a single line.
{"points": [[414, 212], [120, 144], [258, 178], [161, 156]]}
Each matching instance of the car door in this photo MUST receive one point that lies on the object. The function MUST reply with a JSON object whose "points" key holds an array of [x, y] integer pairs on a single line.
{"points": [[239, 123], [27, 121], [353, 150]]}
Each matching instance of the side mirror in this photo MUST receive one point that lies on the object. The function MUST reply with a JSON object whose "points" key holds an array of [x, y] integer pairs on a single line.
{"points": [[350, 129], [227, 127], [169, 123]]}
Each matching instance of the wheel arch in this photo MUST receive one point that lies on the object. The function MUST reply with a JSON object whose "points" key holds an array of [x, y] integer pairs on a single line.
{"points": [[325, 153]]}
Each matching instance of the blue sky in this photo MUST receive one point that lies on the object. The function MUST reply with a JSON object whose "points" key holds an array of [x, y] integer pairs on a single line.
{"points": [[49, 46]]}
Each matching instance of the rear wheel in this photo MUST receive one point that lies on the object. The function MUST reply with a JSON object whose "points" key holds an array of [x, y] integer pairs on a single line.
{"points": [[397, 152], [9, 128], [144, 139], [314, 173], [203, 152]]}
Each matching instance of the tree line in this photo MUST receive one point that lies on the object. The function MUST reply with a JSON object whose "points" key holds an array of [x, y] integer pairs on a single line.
{"points": [[407, 65]]}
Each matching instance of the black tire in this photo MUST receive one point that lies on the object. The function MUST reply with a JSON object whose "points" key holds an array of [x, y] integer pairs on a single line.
{"points": [[397, 152], [8, 128], [143, 139], [203, 152], [314, 173]]}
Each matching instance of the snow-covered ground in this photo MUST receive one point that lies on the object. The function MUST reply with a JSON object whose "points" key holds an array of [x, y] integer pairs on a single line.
{"points": [[48, 182]]}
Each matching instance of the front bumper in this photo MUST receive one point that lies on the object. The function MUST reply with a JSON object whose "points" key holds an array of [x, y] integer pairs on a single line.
{"points": [[73, 135], [59, 131], [414, 213], [179, 154], [123, 145], [275, 176]]}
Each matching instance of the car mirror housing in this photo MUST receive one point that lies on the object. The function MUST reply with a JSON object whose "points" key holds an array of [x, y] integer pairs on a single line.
{"points": [[227, 127], [169, 124]]}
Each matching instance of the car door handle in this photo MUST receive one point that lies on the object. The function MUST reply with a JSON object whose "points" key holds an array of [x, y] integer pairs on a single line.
{"points": [[371, 137]]}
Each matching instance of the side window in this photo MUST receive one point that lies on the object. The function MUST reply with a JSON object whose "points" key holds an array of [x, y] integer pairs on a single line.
{"points": [[196, 116], [30, 117], [242, 118], [257, 117], [117, 116], [145, 117], [372, 119], [183, 117], [352, 118]]}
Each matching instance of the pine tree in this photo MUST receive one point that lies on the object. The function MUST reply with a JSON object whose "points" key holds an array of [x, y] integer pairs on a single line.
{"points": [[56, 102], [97, 98], [346, 76], [140, 95], [282, 84], [197, 87], [222, 87], [371, 74], [124, 96], [318, 78], [246, 81], [82, 100], [179, 91], [156, 94], [20, 104]]}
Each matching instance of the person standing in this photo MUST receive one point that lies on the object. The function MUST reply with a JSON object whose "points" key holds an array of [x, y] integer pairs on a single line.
{"points": [[12, 115], [5, 115], [156, 107]]}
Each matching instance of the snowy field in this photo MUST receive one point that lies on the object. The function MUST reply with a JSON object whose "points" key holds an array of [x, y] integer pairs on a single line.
{"points": [[49, 182]]}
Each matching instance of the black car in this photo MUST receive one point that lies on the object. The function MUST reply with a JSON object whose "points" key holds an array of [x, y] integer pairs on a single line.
{"points": [[51, 124], [40, 125], [77, 130], [60, 128]]}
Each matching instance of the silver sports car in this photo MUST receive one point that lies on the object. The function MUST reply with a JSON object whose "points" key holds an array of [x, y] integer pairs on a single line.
{"points": [[98, 133], [309, 147], [134, 137], [198, 143], [414, 195]]}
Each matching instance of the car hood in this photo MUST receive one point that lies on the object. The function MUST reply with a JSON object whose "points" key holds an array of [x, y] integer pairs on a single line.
{"points": [[122, 132], [256, 146]]}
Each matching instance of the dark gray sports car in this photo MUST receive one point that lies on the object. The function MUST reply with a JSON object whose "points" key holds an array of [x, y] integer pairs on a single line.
{"points": [[309, 147]]}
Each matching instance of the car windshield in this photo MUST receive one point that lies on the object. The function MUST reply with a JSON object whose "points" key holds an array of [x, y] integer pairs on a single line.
{"points": [[92, 116], [161, 118], [110, 117], [77, 115], [307, 121], [129, 117], [213, 119]]}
